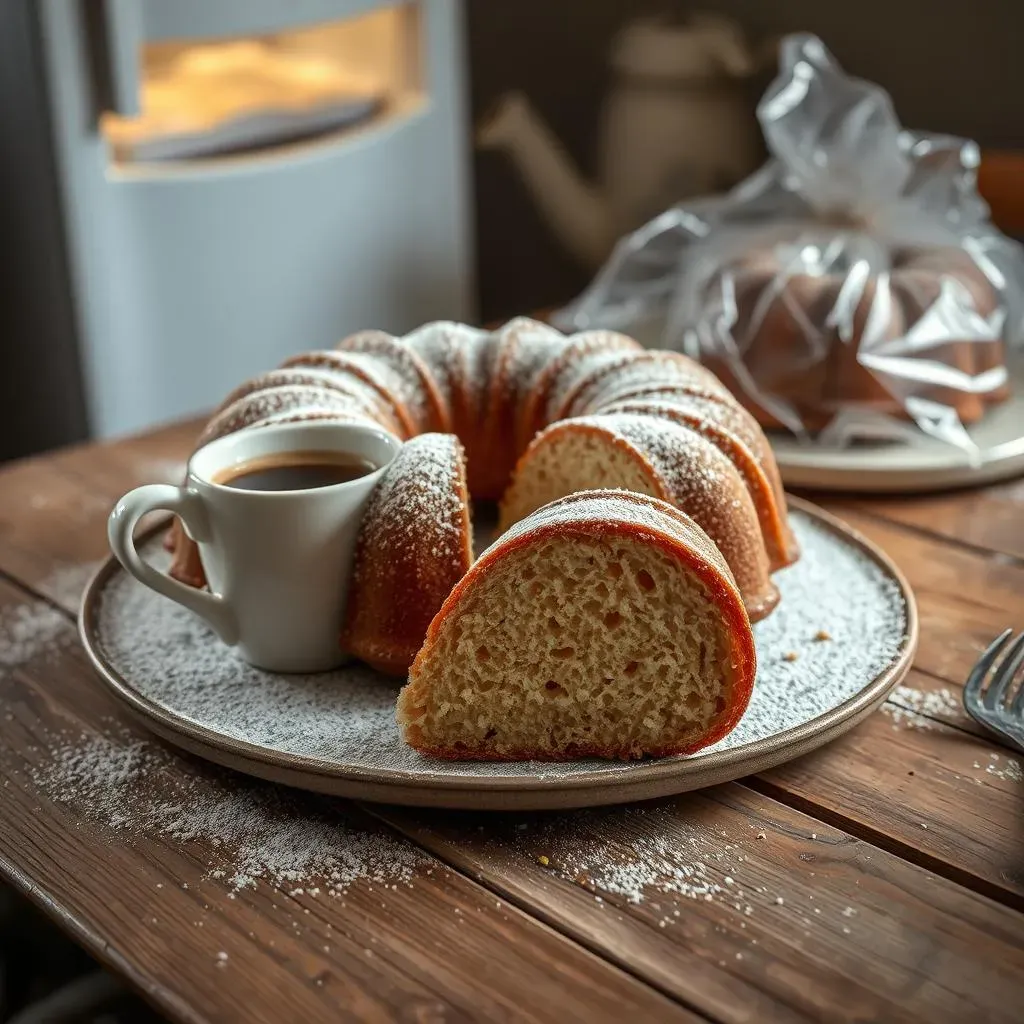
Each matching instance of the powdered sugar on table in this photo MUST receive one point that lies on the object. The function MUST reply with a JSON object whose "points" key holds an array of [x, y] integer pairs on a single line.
{"points": [[252, 832], [841, 622]]}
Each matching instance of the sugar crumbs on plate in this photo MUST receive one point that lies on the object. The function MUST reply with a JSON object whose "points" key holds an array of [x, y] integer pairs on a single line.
{"points": [[347, 717]]}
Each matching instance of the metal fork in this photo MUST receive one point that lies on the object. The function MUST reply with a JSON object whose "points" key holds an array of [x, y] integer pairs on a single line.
{"points": [[994, 706]]}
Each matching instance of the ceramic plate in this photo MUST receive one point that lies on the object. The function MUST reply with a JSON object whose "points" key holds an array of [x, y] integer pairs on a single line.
{"points": [[925, 465], [843, 635]]}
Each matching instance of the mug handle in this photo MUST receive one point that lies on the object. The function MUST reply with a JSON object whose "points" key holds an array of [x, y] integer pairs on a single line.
{"points": [[211, 608]]}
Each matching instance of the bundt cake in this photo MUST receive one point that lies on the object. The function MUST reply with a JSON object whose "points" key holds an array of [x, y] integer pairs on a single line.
{"points": [[578, 357], [414, 545], [606, 624], [656, 423], [415, 388], [799, 333]]}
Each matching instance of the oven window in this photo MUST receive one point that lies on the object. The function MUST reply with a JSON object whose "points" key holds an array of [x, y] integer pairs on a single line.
{"points": [[203, 99]]}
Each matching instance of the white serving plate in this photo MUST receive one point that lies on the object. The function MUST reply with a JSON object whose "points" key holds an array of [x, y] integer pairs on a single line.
{"points": [[336, 733], [927, 464]]}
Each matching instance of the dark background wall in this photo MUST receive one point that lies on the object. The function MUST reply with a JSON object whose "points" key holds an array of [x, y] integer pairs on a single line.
{"points": [[38, 353], [951, 66]]}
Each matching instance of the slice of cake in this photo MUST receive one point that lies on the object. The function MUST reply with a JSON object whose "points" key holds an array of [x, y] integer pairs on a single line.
{"points": [[604, 624]]}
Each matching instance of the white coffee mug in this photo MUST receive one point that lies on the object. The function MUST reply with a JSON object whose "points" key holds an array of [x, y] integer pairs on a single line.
{"points": [[278, 563]]}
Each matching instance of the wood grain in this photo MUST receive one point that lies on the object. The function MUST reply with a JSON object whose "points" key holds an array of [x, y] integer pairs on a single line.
{"points": [[803, 923], [988, 519], [53, 521], [54, 509], [842, 828], [767, 981], [947, 797], [153, 907], [964, 598]]}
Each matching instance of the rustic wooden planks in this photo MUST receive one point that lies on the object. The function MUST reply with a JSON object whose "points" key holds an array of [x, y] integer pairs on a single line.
{"points": [[53, 508], [842, 826], [781, 917], [947, 797], [52, 521], [431, 946], [988, 519], [964, 599]]}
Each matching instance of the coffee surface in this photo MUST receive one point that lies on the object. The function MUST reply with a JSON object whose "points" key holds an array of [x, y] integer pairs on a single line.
{"points": [[295, 471]]}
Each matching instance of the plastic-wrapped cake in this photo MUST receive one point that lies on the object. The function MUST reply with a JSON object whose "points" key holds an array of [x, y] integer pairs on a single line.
{"points": [[856, 273]]}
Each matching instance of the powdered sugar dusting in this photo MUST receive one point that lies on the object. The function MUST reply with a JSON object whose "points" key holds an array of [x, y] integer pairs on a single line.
{"points": [[437, 345], [249, 832], [593, 354], [476, 358], [537, 343], [657, 859], [1004, 768], [420, 491], [410, 373], [31, 630], [917, 709], [296, 401], [328, 375], [346, 718], [706, 413], [638, 373], [647, 853], [66, 583], [704, 482], [415, 528]]}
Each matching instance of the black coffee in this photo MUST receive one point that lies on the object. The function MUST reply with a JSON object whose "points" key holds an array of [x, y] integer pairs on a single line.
{"points": [[295, 471]]}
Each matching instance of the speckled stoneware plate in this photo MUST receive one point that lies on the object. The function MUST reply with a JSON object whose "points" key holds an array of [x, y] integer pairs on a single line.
{"points": [[926, 464], [842, 636]]}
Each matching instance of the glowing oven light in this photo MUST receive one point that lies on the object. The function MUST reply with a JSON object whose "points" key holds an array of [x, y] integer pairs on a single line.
{"points": [[200, 98]]}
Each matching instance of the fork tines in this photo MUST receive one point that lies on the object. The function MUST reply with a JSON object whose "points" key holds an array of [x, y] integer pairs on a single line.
{"points": [[989, 694]]}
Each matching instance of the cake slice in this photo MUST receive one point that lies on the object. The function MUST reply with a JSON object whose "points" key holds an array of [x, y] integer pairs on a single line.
{"points": [[414, 545], [660, 458], [606, 624], [735, 433]]}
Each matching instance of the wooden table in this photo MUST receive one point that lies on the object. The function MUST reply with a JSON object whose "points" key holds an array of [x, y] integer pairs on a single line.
{"points": [[881, 878]]}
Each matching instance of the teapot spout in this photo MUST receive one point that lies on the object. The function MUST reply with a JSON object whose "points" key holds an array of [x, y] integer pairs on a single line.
{"points": [[575, 210]]}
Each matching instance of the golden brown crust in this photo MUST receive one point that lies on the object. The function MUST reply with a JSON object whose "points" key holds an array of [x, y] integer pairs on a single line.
{"points": [[497, 419], [471, 373], [704, 417], [628, 376], [677, 536], [533, 413], [362, 369], [420, 394], [414, 546]]}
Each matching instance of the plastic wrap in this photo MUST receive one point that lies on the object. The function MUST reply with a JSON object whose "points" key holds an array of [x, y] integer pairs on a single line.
{"points": [[852, 288]]}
